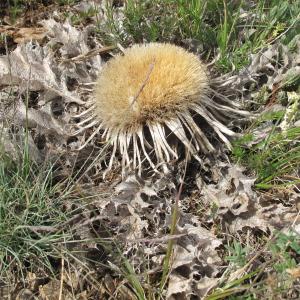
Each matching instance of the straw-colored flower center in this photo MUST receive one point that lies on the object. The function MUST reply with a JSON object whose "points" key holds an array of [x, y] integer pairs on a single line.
{"points": [[148, 83]]}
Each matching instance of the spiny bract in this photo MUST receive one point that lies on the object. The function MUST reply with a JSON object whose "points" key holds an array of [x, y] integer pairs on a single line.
{"points": [[149, 93]]}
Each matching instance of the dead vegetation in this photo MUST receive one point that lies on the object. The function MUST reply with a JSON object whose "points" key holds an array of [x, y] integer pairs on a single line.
{"points": [[225, 228]]}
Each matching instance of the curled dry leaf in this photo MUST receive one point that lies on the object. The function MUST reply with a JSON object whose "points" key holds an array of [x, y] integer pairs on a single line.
{"points": [[32, 66], [73, 43], [276, 62], [270, 69], [232, 193], [240, 208], [39, 122], [37, 118], [72, 40], [195, 264]]}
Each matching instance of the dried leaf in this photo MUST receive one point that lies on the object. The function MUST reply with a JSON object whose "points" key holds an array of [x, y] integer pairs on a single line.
{"points": [[24, 34], [52, 290], [195, 264], [294, 272], [31, 65], [232, 193]]}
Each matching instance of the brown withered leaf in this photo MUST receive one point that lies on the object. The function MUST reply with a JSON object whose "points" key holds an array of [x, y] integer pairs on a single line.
{"points": [[53, 291], [294, 272], [24, 34]]}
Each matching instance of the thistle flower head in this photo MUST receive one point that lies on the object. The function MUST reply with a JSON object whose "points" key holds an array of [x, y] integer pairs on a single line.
{"points": [[149, 84], [148, 93]]}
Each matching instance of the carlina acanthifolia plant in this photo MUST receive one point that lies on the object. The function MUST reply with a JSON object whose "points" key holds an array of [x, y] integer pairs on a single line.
{"points": [[152, 95]]}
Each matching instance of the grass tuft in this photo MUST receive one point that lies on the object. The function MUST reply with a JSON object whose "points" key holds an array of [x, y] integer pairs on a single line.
{"points": [[234, 29], [31, 208], [274, 155]]}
